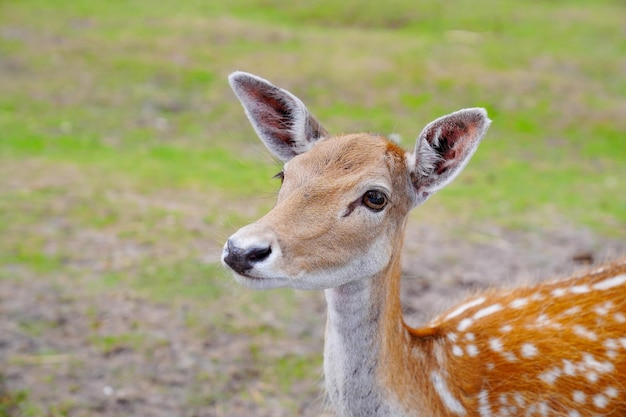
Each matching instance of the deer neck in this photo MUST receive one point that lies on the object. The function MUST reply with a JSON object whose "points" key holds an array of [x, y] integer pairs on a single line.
{"points": [[364, 335]]}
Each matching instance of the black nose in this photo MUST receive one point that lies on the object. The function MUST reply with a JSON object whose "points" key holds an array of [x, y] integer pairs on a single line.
{"points": [[242, 260]]}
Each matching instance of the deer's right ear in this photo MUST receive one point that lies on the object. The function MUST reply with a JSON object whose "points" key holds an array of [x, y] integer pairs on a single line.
{"points": [[280, 119], [443, 148]]}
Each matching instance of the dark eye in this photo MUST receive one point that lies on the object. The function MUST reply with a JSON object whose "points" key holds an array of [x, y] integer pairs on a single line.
{"points": [[375, 200]]}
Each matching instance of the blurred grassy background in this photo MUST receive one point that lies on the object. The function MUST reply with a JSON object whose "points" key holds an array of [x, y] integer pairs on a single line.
{"points": [[125, 160]]}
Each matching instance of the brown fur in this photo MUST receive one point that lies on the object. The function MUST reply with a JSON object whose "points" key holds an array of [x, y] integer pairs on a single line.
{"points": [[582, 367], [311, 187], [552, 349], [339, 165]]}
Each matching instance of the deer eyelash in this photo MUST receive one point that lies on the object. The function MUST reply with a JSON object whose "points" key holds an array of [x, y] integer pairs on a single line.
{"points": [[280, 176]]}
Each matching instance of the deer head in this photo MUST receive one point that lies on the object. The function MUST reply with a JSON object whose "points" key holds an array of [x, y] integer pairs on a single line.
{"points": [[344, 199]]}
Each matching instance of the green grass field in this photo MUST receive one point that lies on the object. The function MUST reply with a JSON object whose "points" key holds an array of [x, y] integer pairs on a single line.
{"points": [[125, 160]]}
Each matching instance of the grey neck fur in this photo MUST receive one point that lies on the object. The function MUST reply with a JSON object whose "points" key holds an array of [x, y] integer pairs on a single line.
{"points": [[351, 352]]}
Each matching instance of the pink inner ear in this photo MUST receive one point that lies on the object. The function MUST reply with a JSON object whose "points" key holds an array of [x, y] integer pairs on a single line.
{"points": [[280, 119], [445, 146], [450, 144], [271, 114]]}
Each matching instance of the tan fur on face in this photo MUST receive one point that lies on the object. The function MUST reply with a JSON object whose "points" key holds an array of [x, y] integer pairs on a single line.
{"points": [[321, 186], [554, 349]]}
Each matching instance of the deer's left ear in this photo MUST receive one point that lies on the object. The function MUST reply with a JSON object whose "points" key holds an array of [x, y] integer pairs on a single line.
{"points": [[280, 119], [443, 149]]}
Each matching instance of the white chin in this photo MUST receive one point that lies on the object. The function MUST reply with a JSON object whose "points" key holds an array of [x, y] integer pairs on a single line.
{"points": [[260, 283]]}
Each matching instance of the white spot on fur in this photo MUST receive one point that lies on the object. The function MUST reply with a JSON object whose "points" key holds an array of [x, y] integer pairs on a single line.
{"points": [[505, 411], [573, 413], [600, 401], [445, 395], [620, 318], [470, 337], [571, 311], [452, 337], [472, 350], [464, 324], [463, 307], [601, 367], [484, 408], [519, 399], [518, 303], [603, 309], [610, 282], [579, 397], [611, 392], [506, 328], [592, 376], [529, 350], [495, 344], [551, 375], [543, 320], [559, 292], [487, 311], [584, 332], [568, 368], [536, 297], [457, 351], [580, 289]]}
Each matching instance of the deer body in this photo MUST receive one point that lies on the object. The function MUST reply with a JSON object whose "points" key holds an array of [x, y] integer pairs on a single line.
{"points": [[553, 349]]}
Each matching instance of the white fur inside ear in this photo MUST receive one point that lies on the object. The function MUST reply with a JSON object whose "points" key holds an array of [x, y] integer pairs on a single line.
{"points": [[419, 197], [426, 159], [302, 137]]}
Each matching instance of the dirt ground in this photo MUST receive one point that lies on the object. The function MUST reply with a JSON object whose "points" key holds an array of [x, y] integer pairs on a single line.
{"points": [[47, 347]]}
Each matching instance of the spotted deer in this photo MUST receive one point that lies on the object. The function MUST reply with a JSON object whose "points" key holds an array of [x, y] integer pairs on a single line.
{"points": [[557, 348]]}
